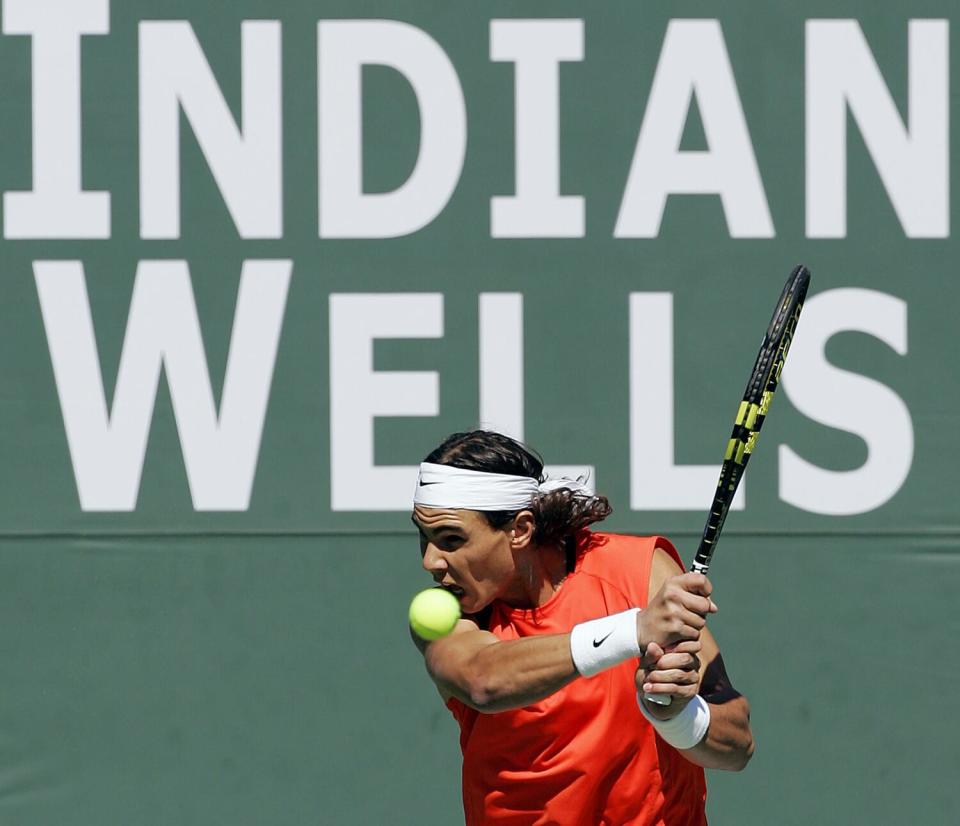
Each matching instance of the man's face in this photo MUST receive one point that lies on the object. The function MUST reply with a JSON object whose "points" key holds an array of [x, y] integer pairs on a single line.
{"points": [[465, 555]]}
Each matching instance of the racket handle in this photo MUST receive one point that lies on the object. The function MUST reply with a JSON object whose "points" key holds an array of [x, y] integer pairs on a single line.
{"points": [[658, 699]]}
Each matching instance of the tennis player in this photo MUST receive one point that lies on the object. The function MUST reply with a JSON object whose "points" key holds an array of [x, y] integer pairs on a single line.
{"points": [[564, 632]]}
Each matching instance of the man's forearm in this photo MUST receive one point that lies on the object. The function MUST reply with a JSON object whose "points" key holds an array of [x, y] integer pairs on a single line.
{"points": [[492, 675], [512, 674], [729, 742]]}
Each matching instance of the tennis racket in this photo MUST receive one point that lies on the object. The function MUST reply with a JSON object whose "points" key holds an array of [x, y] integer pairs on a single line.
{"points": [[751, 414]]}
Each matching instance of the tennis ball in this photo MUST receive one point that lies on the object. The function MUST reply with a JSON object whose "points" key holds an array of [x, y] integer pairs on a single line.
{"points": [[434, 613]]}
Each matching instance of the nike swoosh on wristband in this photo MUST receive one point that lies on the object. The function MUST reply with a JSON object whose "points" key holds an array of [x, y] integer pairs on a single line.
{"points": [[598, 643], [424, 484]]}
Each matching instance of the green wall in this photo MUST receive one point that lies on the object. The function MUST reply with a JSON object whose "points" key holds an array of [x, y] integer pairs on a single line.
{"points": [[176, 663]]}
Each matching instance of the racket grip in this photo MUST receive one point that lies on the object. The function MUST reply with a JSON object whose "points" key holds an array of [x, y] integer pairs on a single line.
{"points": [[658, 699]]}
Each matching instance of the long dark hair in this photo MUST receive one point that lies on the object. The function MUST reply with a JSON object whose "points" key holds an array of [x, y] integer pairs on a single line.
{"points": [[559, 515]]}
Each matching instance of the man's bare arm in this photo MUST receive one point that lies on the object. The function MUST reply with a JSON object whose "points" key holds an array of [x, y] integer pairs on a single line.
{"points": [[492, 675]]}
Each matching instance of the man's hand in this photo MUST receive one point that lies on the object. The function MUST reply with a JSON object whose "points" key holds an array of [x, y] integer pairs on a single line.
{"points": [[677, 613], [674, 673]]}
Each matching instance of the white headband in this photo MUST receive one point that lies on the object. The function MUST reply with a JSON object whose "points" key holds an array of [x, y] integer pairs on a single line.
{"points": [[443, 486]]}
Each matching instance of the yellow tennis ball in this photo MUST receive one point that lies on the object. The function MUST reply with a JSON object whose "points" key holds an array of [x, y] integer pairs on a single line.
{"points": [[434, 613]]}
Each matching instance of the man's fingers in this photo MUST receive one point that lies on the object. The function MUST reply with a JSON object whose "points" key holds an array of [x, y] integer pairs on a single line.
{"points": [[688, 626], [672, 676], [685, 647], [698, 604], [695, 584], [684, 691], [654, 651], [691, 631], [686, 662], [685, 629], [694, 592]]}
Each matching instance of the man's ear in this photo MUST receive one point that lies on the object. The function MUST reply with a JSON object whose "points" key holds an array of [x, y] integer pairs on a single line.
{"points": [[521, 532]]}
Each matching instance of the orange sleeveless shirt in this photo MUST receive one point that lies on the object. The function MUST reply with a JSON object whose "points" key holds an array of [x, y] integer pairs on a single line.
{"points": [[585, 755]]}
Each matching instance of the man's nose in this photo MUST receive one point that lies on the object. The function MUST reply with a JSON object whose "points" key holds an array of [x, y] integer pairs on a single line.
{"points": [[432, 559]]}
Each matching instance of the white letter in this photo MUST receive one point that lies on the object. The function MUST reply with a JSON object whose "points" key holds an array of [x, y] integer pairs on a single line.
{"points": [[345, 46], [656, 483], [358, 394], [107, 449], [501, 376], [501, 363], [246, 163], [847, 401], [694, 61], [537, 47], [913, 163], [56, 206]]}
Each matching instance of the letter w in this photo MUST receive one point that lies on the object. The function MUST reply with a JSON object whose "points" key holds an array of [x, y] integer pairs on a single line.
{"points": [[107, 448]]}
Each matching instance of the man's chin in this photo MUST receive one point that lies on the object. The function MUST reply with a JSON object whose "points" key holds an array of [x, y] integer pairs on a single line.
{"points": [[471, 604]]}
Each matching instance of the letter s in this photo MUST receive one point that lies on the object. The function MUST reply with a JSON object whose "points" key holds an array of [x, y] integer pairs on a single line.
{"points": [[847, 401]]}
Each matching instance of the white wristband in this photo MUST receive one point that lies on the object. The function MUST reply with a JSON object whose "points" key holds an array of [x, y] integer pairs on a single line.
{"points": [[685, 730], [605, 642]]}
